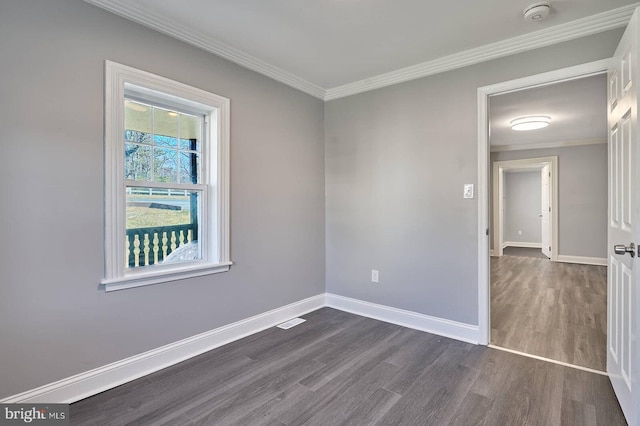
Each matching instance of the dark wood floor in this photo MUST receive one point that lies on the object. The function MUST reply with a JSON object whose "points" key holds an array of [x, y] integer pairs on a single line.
{"points": [[342, 369], [551, 309]]}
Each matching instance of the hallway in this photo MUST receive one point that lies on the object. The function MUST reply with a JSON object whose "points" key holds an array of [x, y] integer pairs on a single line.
{"points": [[553, 310]]}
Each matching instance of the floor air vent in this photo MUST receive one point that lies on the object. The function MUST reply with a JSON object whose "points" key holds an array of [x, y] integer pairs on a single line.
{"points": [[291, 323]]}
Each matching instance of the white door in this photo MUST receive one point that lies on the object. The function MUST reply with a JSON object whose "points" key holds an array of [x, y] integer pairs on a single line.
{"points": [[545, 179], [623, 302]]}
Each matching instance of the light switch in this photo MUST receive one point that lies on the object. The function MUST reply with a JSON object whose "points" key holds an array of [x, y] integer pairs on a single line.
{"points": [[468, 190]]}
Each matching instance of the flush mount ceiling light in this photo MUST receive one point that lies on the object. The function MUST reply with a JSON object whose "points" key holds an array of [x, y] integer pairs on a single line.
{"points": [[536, 11], [530, 123]]}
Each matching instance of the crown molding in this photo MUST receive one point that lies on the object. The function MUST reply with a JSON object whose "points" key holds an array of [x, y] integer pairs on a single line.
{"points": [[542, 145], [594, 24], [605, 21], [156, 22]]}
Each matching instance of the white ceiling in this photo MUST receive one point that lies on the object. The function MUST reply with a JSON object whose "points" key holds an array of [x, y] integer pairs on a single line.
{"points": [[577, 109], [355, 45]]}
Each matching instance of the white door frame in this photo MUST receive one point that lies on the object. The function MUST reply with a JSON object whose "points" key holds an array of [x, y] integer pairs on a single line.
{"points": [[565, 74], [499, 167]]}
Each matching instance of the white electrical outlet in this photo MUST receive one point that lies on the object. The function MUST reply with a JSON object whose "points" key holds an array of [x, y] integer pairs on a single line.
{"points": [[375, 276]]}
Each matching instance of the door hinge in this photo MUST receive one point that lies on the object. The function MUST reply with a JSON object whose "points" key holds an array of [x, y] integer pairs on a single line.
{"points": [[487, 233], [549, 208], [549, 248]]}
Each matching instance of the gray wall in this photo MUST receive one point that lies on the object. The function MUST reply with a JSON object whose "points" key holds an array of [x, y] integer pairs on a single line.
{"points": [[54, 321], [522, 205], [396, 161], [582, 196]]}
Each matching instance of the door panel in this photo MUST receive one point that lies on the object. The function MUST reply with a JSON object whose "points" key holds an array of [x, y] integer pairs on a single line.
{"points": [[545, 179], [614, 148], [625, 317], [612, 294], [625, 170], [623, 302], [614, 89]]}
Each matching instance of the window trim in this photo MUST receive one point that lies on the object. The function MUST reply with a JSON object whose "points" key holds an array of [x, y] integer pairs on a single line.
{"points": [[117, 76]]}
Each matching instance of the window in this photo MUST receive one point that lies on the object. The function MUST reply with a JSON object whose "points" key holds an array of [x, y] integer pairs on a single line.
{"points": [[166, 180]]}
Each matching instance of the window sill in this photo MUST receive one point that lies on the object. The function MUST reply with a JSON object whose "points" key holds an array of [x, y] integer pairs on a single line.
{"points": [[157, 277]]}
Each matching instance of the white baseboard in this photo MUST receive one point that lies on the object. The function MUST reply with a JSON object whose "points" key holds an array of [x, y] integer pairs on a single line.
{"points": [[91, 382], [94, 381], [443, 327], [599, 261], [493, 253], [521, 244]]}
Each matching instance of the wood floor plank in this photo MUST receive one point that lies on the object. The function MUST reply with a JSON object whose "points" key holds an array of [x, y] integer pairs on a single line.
{"points": [[361, 391], [595, 390], [338, 387], [473, 411], [516, 403], [415, 358], [435, 395], [162, 391], [550, 309], [351, 357], [370, 411], [269, 412], [256, 383], [545, 386], [578, 413], [441, 408], [341, 369], [234, 404]]}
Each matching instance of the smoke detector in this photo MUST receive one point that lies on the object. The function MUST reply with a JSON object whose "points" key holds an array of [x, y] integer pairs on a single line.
{"points": [[537, 11]]}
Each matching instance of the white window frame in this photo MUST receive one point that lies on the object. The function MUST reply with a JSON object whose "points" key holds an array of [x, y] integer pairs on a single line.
{"points": [[121, 80]]}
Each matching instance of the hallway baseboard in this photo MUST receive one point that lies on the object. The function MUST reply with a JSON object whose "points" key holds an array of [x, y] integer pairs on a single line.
{"points": [[598, 261]]}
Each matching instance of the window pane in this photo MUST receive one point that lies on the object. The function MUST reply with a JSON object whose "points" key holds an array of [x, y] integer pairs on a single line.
{"points": [[190, 144], [135, 136], [190, 132], [162, 226], [137, 117], [189, 167], [137, 164], [165, 123], [168, 141], [165, 165]]}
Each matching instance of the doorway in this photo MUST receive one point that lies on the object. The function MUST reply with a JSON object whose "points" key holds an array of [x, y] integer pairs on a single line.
{"points": [[522, 271], [536, 210]]}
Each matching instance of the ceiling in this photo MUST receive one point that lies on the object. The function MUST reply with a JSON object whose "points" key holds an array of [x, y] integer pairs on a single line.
{"points": [[577, 109], [333, 48]]}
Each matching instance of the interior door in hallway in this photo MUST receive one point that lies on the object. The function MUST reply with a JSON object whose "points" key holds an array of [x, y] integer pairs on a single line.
{"points": [[622, 108], [545, 180]]}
